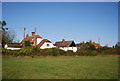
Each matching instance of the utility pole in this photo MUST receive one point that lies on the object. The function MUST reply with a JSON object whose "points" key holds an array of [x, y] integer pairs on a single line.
{"points": [[99, 43], [24, 37], [24, 31], [35, 38]]}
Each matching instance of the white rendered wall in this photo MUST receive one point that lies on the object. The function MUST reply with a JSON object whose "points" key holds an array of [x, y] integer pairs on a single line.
{"points": [[39, 40], [45, 45], [74, 49], [11, 48]]}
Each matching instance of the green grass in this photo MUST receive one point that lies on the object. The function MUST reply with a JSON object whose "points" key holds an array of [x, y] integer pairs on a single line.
{"points": [[98, 67]]}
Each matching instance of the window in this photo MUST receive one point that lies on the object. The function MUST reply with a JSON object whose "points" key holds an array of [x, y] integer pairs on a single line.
{"points": [[48, 45]]}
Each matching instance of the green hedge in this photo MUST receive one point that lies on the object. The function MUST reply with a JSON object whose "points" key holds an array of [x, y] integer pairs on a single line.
{"points": [[69, 53], [33, 51], [87, 52]]}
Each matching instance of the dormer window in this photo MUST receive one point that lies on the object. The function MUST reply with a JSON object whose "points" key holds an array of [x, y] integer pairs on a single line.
{"points": [[48, 45]]}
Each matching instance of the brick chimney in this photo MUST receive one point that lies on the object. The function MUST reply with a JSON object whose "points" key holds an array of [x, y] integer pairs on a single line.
{"points": [[83, 42], [33, 33], [91, 41], [27, 35], [63, 40]]}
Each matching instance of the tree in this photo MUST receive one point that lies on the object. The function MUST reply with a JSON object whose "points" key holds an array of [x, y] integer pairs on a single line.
{"points": [[6, 37], [3, 24], [90, 46], [27, 43]]}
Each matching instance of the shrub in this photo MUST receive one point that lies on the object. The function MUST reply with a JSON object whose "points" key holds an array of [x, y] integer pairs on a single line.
{"points": [[27, 43], [55, 52], [10, 52], [86, 52], [91, 53], [69, 53], [29, 51], [80, 52], [110, 52]]}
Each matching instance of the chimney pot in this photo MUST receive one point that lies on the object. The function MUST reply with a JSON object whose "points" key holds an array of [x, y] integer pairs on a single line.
{"points": [[63, 40], [27, 35], [33, 33], [90, 41]]}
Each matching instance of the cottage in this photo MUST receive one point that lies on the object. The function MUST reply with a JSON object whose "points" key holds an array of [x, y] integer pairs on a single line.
{"points": [[13, 46], [83, 45], [38, 41], [66, 45], [97, 45]]}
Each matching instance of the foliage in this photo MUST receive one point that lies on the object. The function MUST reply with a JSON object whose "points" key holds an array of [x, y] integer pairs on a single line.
{"points": [[55, 52], [90, 46], [27, 43], [7, 37], [104, 48], [29, 51], [10, 52], [86, 52], [34, 51], [69, 53]]}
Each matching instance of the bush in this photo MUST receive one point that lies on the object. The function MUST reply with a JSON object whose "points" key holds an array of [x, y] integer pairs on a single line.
{"points": [[86, 52], [69, 53], [27, 43], [34, 51], [91, 53], [55, 52], [29, 51], [109, 52], [10, 52]]}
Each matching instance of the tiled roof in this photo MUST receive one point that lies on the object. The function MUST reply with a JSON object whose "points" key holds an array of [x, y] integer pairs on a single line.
{"points": [[57, 43], [63, 43], [30, 38], [96, 44], [42, 42], [81, 44], [15, 45], [78, 45], [84, 44]]}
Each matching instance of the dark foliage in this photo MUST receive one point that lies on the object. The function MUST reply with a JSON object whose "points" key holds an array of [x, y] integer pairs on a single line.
{"points": [[27, 43]]}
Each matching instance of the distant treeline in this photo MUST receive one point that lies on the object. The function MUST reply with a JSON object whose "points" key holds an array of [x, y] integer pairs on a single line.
{"points": [[33, 51]]}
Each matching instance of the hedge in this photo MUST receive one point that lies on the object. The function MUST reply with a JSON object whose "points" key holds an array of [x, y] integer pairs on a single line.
{"points": [[33, 51]]}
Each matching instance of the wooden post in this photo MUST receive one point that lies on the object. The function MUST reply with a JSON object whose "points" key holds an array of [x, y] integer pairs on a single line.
{"points": [[24, 37], [99, 44], [35, 38]]}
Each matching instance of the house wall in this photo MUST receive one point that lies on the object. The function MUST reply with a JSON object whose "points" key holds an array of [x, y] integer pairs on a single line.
{"points": [[39, 40], [45, 45], [12, 48], [74, 49]]}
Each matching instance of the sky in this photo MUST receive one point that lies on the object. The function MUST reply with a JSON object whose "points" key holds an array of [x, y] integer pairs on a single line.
{"points": [[78, 21]]}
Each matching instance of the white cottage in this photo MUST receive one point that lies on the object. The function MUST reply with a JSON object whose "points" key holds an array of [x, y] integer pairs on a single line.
{"points": [[66, 45], [13, 46], [38, 41]]}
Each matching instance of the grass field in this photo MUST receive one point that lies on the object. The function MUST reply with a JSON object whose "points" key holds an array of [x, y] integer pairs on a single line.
{"points": [[99, 67]]}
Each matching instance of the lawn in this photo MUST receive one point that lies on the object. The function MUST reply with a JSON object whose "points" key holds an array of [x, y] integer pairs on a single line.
{"points": [[98, 67]]}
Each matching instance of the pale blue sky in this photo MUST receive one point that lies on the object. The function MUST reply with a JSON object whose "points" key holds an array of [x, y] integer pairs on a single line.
{"points": [[78, 21]]}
